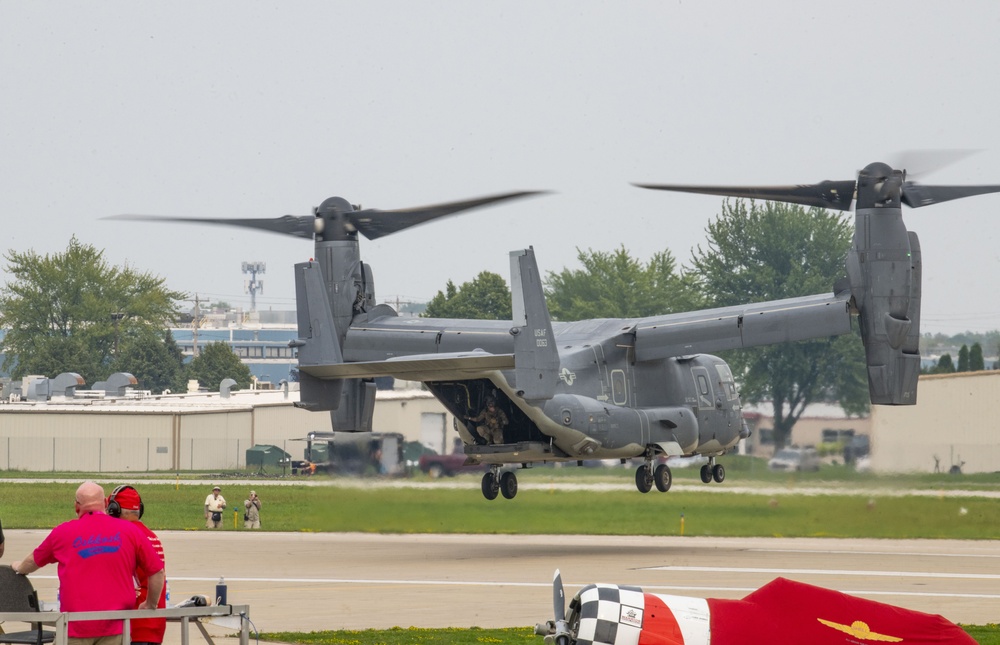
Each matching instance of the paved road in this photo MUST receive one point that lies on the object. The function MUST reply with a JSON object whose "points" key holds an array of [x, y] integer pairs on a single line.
{"points": [[304, 582]]}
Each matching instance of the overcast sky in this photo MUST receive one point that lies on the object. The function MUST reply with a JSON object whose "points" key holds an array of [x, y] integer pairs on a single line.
{"points": [[259, 109]]}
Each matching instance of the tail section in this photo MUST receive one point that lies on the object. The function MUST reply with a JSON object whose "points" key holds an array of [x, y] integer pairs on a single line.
{"points": [[351, 401], [536, 358]]}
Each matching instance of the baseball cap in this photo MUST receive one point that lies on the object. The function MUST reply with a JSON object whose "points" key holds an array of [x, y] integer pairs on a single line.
{"points": [[128, 499]]}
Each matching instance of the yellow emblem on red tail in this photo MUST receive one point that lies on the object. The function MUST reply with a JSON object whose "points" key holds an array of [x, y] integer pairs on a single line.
{"points": [[860, 629]]}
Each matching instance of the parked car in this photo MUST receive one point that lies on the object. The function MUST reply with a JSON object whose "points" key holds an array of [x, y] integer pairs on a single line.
{"points": [[859, 446], [437, 465], [794, 459]]}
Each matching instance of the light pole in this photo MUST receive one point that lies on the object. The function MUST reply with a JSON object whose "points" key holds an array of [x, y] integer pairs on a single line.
{"points": [[115, 317]]}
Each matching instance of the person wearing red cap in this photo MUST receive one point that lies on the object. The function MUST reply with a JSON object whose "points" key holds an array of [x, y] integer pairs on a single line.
{"points": [[126, 503], [98, 556]]}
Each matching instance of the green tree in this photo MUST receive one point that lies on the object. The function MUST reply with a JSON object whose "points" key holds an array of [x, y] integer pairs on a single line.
{"points": [[215, 363], [156, 362], [616, 285], [770, 251], [486, 297], [65, 312], [945, 365], [976, 362], [963, 359]]}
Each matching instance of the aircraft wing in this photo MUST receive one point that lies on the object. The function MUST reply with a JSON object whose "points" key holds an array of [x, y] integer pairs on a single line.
{"points": [[762, 323], [422, 367]]}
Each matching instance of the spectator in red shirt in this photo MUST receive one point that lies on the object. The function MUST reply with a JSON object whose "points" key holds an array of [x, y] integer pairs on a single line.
{"points": [[125, 502], [98, 556]]}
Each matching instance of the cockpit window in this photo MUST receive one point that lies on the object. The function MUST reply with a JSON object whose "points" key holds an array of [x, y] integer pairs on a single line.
{"points": [[726, 379]]}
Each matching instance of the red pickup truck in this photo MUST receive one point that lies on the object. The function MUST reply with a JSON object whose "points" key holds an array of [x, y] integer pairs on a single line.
{"points": [[447, 465]]}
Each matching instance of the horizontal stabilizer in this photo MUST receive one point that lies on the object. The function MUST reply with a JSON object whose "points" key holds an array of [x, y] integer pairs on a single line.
{"points": [[426, 367]]}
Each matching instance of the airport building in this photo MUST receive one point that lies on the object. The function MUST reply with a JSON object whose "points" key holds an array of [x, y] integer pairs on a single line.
{"points": [[129, 431], [954, 427]]}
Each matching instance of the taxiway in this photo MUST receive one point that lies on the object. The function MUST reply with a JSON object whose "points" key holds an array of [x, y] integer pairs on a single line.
{"points": [[310, 581]]}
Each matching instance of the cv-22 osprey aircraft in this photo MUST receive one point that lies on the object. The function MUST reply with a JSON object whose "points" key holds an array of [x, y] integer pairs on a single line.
{"points": [[606, 388]]}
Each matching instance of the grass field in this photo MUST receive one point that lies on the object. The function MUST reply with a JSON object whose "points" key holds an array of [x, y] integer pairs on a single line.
{"points": [[862, 510], [985, 635]]}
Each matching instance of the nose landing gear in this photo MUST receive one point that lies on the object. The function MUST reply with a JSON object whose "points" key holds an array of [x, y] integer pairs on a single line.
{"points": [[711, 471]]}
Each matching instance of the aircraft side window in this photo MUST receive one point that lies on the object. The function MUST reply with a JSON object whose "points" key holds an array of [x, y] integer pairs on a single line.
{"points": [[618, 394], [703, 386]]}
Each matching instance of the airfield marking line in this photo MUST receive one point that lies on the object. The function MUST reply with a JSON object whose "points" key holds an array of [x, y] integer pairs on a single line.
{"points": [[831, 572], [571, 585], [902, 553], [856, 592]]}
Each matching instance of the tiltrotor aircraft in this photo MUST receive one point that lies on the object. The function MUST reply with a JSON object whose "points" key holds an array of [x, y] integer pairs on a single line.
{"points": [[606, 388]]}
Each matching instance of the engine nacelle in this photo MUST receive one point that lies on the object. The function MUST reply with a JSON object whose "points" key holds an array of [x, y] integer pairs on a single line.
{"points": [[884, 271]]}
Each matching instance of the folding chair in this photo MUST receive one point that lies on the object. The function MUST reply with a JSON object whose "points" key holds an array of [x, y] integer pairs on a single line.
{"points": [[18, 595]]}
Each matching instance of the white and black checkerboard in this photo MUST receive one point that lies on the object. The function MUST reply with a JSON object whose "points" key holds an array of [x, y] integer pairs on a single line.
{"points": [[610, 615]]}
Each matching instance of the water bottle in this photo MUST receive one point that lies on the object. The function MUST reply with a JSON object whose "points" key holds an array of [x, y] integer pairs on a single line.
{"points": [[220, 593]]}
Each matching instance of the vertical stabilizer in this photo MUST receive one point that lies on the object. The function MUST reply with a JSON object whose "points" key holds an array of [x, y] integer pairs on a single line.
{"points": [[536, 359], [317, 343]]}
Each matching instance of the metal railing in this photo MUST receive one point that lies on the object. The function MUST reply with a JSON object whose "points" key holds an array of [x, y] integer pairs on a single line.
{"points": [[61, 619]]}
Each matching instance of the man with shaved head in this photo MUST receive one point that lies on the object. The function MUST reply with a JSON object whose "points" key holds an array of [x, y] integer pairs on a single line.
{"points": [[98, 556]]}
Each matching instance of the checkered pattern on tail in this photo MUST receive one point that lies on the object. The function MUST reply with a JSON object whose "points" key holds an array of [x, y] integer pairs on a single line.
{"points": [[610, 615]]}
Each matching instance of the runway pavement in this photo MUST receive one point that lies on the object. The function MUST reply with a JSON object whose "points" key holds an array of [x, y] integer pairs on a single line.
{"points": [[309, 581]]}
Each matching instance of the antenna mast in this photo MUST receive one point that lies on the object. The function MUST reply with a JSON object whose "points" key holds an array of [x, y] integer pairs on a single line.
{"points": [[252, 286]]}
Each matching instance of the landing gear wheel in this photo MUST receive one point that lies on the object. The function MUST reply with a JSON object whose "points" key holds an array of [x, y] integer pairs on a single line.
{"points": [[706, 474], [508, 484], [662, 478], [491, 487], [719, 473], [644, 479]]}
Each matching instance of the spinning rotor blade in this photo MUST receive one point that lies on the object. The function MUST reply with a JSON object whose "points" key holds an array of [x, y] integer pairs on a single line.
{"points": [[918, 163], [826, 194], [917, 195], [299, 226], [374, 223]]}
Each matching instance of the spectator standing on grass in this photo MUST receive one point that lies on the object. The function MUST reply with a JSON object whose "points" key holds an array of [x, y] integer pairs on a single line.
{"points": [[215, 503], [251, 517]]}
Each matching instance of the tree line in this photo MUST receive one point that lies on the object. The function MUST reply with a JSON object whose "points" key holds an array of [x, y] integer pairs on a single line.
{"points": [[73, 312]]}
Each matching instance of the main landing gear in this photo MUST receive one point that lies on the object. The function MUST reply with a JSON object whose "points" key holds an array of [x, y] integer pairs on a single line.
{"points": [[646, 476], [711, 471], [495, 483]]}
